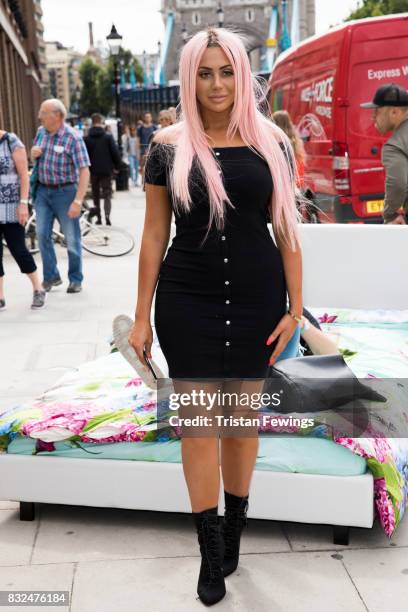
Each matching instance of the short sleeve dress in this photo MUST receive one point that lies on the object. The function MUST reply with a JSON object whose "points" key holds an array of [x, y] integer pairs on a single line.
{"points": [[217, 302]]}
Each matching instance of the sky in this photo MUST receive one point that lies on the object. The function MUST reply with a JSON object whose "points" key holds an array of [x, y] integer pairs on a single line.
{"points": [[138, 21]]}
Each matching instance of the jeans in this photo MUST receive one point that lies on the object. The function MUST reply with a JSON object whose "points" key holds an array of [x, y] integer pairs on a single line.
{"points": [[51, 204], [104, 183], [134, 168]]}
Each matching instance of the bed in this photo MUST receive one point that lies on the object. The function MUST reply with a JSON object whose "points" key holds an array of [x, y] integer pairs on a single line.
{"points": [[349, 270]]}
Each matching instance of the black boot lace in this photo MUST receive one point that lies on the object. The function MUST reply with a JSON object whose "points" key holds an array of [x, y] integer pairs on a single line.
{"points": [[209, 539], [235, 519]]}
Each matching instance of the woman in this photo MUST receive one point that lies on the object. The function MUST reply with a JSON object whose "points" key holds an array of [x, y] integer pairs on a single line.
{"points": [[220, 309], [133, 152], [166, 118], [283, 120], [14, 188]]}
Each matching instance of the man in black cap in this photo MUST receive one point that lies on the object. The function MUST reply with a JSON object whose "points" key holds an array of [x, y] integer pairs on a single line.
{"points": [[390, 105]]}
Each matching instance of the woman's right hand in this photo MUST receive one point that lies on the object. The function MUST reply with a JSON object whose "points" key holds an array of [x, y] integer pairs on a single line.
{"points": [[141, 337]]}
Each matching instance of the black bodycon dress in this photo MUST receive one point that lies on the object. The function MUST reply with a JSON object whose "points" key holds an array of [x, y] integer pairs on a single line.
{"points": [[216, 304]]}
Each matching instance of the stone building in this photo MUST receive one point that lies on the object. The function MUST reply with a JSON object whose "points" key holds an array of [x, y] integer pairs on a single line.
{"points": [[251, 17], [63, 71], [21, 66]]}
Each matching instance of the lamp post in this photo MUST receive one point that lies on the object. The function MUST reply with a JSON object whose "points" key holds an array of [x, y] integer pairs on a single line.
{"points": [[184, 34], [220, 15], [114, 39], [158, 69]]}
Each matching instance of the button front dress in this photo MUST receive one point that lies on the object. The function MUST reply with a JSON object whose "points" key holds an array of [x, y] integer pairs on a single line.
{"points": [[217, 301]]}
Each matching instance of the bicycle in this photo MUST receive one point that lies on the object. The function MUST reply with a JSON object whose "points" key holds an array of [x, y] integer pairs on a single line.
{"points": [[105, 241]]}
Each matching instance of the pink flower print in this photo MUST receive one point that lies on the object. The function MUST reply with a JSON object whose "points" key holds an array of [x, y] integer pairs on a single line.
{"points": [[326, 318], [352, 445], [384, 507], [382, 449], [135, 382]]}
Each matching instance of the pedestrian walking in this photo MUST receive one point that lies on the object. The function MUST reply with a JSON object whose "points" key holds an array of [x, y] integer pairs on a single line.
{"points": [[390, 114], [63, 175], [132, 148], [221, 298], [14, 187], [105, 157], [144, 132]]}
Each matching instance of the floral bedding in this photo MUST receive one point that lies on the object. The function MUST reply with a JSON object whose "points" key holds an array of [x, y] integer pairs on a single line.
{"points": [[104, 402]]}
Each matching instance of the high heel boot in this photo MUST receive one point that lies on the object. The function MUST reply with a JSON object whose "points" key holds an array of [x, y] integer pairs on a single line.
{"points": [[211, 584], [235, 519]]}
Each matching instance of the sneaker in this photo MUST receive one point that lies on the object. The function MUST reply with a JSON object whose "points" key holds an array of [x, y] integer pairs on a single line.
{"points": [[48, 285], [3, 305], [74, 288], [38, 300]]}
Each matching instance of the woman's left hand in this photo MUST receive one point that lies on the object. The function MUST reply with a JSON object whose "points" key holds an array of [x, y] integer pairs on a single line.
{"points": [[22, 214], [284, 331]]}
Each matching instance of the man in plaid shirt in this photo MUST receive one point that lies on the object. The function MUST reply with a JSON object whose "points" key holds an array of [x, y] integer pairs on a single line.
{"points": [[63, 174]]}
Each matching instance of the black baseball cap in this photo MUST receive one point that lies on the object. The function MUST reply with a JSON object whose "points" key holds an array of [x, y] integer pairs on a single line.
{"points": [[388, 95]]}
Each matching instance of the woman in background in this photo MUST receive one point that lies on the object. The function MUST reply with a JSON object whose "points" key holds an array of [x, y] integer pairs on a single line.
{"points": [[283, 120], [14, 188], [133, 153]]}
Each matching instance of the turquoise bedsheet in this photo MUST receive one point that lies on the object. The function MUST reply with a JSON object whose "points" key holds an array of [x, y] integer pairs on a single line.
{"points": [[286, 453]]}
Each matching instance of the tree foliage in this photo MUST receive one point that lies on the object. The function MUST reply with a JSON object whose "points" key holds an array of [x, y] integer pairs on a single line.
{"points": [[376, 8], [97, 94], [89, 72]]}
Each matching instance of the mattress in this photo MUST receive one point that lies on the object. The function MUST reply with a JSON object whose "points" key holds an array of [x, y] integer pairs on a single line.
{"points": [[280, 453]]}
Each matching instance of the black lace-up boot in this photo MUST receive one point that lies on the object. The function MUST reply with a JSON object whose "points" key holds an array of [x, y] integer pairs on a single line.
{"points": [[235, 519], [211, 584]]}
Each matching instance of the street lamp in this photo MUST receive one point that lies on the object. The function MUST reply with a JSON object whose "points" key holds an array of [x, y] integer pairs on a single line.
{"points": [[220, 15], [114, 39], [184, 34]]}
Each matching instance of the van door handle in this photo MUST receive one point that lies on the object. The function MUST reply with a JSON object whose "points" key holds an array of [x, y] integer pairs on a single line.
{"points": [[330, 151], [374, 150]]}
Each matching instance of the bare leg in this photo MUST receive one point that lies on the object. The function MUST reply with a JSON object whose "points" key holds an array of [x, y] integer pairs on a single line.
{"points": [[35, 281], [239, 451], [200, 453]]}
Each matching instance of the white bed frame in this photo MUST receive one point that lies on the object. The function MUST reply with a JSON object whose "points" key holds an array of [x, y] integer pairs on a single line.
{"points": [[358, 266]]}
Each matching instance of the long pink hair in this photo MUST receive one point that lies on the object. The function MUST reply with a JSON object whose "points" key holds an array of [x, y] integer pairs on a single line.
{"points": [[257, 132]]}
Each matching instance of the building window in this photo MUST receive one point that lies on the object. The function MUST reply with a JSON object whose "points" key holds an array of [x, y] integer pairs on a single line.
{"points": [[250, 15], [196, 18]]}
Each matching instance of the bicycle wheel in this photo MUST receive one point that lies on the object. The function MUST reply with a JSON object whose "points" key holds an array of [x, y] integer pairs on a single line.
{"points": [[106, 241]]}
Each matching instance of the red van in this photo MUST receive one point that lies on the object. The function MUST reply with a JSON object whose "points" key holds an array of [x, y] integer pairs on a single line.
{"points": [[321, 83]]}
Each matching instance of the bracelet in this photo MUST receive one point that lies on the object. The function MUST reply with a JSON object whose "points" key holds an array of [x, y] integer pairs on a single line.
{"points": [[78, 202], [297, 319], [25, 202]]}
